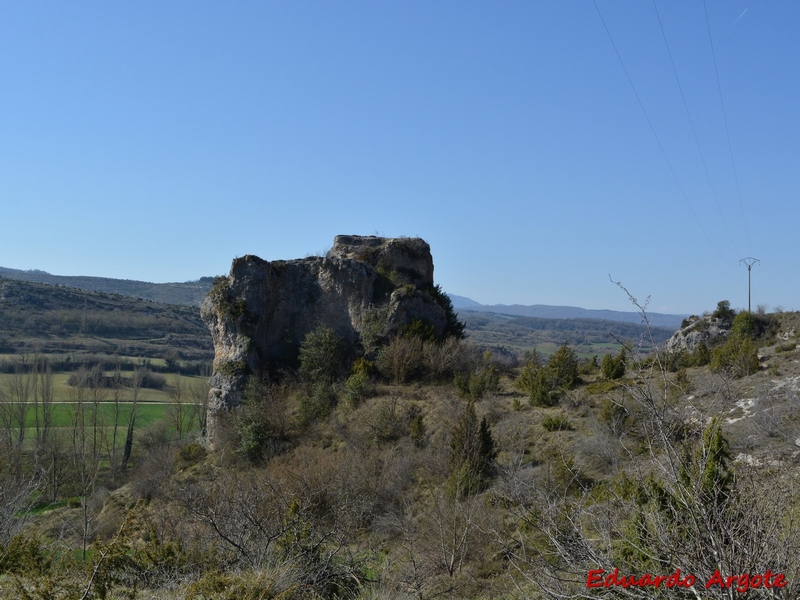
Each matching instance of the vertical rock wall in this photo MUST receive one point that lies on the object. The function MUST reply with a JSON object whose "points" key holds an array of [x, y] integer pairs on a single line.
{"points": [[261, 312]]}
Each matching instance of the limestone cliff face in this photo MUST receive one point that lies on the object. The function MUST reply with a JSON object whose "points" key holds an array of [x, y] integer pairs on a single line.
{"points": [[366, 286], [695, 330]]}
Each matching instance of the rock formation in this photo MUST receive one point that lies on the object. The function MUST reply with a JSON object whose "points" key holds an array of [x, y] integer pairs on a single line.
{"points": [[706, 329], [366, 288]]}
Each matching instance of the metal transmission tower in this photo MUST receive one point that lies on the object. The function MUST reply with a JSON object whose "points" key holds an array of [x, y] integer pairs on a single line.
{"points": [[749, 261]]}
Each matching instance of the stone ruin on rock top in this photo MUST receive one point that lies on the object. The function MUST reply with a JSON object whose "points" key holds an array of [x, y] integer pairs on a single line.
{"points": [[366, 286]]}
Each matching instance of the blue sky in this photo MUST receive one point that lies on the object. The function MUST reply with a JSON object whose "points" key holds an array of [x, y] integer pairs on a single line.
{"points": [[159, 140]]}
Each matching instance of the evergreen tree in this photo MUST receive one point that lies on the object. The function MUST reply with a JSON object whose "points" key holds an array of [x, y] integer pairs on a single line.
{"points": [[472, 454]]}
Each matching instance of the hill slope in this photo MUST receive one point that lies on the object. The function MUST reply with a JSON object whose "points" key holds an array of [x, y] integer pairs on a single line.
{"points": [[587, 336], [545, 311], [189, 293], [42, 318]]}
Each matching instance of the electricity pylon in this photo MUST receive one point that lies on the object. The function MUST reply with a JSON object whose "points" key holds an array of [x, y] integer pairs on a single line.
{"points": [[749, 261]]}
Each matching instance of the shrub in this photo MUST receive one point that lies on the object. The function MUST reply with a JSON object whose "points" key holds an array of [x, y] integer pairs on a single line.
{"points": [[682, 379], [738, 356], [356, 388], [478, 384], [753, 325], [563, 367], [363, 366], [443, 359], [233, 368], [613, 367], [254, 434], [472, 454], [373, 330], [192, 453], [401, 359], [724, 311], [453, 328], [260, 425], [746, 324], [602, 387], [535, 382], [556, 423], [417, 430], [317, 404], [546, 384], [588, 366], [419, 329], [321, 354], [615, 417], [388, 423], [701, 356]]}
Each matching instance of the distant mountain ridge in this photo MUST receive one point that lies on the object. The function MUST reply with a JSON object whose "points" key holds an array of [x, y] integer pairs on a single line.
{"points": [[545, 311], [189, 293]]}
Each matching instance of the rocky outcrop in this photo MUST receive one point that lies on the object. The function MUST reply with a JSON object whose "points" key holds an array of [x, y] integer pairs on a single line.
{"points": [[695, 330], [365, 288]]}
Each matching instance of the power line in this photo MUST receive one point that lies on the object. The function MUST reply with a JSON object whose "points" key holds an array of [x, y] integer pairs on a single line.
{"points": [[694, 132], [652, 129], [727, 131]]}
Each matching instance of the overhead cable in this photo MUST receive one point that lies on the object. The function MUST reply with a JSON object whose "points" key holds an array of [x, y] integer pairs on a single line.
{"points": [[694, 132], [727, 131], [655, 135]]}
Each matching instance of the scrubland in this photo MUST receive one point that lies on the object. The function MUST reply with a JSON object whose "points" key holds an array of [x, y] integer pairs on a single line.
{"points": [[428, 469]]}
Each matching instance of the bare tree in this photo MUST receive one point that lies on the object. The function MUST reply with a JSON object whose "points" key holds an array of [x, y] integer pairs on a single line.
{"points": [[46, 395], [178, 409], [16, 493], [18, 392], [97, 394], [117, 391], [198, 393], [134, 391]]}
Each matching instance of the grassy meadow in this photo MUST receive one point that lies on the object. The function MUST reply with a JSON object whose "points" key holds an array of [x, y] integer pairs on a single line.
{"points": [[64, 393], [180, 397]]}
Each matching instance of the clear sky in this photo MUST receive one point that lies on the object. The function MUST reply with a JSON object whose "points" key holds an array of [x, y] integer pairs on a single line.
{"points": [[159, 140]]}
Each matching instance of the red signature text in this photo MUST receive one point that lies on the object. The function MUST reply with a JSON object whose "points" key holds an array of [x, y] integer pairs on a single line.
{"points": [[598, 578]]}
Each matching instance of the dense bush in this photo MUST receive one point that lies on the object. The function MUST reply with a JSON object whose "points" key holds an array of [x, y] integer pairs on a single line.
{"points": [[613, 367], [724, 311], [321, 355], [401, 359], [477, 384], [261, 423], [316, 404], [701, 355], [472, 454], [738, 356], [357, 388], [453, 328], [753, 325], [556, 423], [563, 367], [545, 384], [95, 378]]}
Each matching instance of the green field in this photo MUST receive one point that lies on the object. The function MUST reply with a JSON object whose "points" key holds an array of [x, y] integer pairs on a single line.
{"points": [[64, 393], [153, 406], [63, 413]]}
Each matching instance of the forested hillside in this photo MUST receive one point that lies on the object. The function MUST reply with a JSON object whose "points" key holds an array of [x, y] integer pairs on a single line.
{"points": [[44, 319], [189, 292]]}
